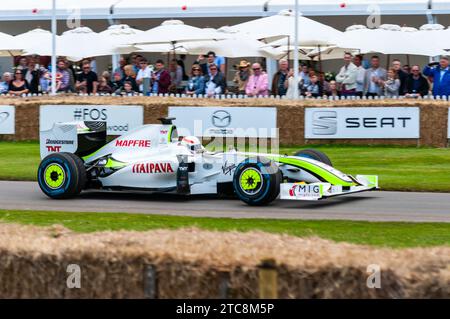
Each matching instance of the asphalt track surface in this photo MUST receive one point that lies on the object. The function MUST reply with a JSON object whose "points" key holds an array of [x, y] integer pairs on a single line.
{"points": [[369, 206]]}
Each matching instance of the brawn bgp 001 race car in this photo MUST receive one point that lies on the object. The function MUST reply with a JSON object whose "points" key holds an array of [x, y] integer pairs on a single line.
{"points": [[76, 157]]}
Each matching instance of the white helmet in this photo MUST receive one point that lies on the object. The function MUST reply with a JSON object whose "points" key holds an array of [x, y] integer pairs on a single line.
{"points": [[192, 143]]}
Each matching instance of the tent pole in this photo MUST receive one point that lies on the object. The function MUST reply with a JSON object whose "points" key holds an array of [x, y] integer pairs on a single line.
{"points": [[54, 30], [296, 64], [320, 60], [288, 51]]}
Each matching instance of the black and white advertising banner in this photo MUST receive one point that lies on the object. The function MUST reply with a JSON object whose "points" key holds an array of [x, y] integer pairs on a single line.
{"points": [[362, 122], [254, 122], [7, 119], [120, 119]]}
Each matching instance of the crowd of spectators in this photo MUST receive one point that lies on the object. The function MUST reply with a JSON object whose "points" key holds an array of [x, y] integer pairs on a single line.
{"points": [[207, 77]]}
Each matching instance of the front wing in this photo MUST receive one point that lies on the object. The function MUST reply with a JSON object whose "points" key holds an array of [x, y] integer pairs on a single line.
{"points": [[316, 191]]}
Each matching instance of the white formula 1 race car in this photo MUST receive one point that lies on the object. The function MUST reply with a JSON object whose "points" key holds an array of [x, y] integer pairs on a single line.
{"points": [[76, 157]]}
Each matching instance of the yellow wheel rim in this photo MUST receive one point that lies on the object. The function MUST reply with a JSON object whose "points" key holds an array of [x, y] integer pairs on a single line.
{"points": [[54, 176], [251, 181]]}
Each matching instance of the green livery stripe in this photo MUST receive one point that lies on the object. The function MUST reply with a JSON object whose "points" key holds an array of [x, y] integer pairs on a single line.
{"points": [[169, 134], [317, 170], [84, 158], [113, 164]]}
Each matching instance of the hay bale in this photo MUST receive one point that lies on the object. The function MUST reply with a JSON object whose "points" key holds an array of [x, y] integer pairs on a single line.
{"points": [[190, 264]]}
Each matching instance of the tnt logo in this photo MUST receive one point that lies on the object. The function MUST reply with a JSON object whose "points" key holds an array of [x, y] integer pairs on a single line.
{"points": [[53, 149]]}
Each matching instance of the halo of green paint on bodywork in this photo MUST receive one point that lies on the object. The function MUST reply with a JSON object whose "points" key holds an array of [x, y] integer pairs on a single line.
{"points": [[111, 163], [50, 172], [317, 170]]}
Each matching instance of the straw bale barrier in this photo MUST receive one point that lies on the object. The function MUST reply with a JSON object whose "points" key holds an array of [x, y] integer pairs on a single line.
{"points": [[190, 263], [433, 126]]}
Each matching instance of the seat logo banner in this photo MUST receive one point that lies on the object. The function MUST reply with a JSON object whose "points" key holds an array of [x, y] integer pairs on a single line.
{"points": [[362, 122], [7, 119], [256, 122], [120, 119]]}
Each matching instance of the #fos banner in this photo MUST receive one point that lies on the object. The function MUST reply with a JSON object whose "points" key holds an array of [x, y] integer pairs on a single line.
{"points": [[362, 122], [7, 119], [120, 119], [254, 122]]}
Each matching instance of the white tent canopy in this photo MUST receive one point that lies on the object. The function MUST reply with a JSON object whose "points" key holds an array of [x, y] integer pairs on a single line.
{"points": [[236, 46], [281, 27], [37, 41], [76, 44], [9, 45], [388, 39], [175, 31]]}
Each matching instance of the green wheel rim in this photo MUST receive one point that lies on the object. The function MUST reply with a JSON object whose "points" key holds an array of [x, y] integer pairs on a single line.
{"points": [[54, 176], [251, 181]]}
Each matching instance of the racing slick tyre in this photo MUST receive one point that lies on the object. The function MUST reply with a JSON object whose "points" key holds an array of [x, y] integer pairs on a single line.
{"points": [[256, 181], [61, 175], [315, 155]]}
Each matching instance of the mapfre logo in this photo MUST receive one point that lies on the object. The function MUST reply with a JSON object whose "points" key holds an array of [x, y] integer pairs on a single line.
{"points": [[133, 143], [152, 168], [324, 122]]}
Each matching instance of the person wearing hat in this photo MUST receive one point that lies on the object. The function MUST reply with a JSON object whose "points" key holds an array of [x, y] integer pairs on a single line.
{"points": [[242, 75], [440, 73]]}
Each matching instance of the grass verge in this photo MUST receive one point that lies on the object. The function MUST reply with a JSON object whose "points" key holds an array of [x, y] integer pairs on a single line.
{"points": [[384, 234], [398, 168]]}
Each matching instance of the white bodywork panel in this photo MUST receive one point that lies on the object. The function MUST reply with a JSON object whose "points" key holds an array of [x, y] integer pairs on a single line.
{"points": [[316, 191]]}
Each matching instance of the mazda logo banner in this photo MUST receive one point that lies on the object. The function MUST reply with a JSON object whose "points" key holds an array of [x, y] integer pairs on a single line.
{"points": [[7, 119], [255, 122], [362, 122]]}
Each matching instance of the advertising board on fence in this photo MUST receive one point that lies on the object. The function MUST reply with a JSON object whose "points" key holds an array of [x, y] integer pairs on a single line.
{"points": [[7, 119], [362, 122], [254, 122], [120, 119]]}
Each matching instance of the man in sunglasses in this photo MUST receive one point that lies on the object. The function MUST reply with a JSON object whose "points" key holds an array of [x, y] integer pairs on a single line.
{"points": [[258, 83], [215, 81], [87, 81], [416, 84]]}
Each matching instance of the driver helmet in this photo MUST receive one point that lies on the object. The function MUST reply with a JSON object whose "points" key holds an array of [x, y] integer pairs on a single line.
{"points": [[192, 143]]}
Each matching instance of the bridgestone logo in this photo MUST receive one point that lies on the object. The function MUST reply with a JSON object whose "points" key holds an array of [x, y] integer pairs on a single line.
{"points": [[59, 142]]}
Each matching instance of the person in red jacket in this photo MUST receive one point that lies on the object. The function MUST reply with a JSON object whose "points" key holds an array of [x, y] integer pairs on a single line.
{"points": [[160, 79]]}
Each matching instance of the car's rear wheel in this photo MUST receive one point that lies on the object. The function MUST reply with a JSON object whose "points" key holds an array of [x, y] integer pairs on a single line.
{"points": [[257, 181], [315, 155], [61, 175]]}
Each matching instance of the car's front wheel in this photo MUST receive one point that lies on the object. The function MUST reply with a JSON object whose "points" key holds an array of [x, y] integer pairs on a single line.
{"points": [[61, 175], [257, 181]]}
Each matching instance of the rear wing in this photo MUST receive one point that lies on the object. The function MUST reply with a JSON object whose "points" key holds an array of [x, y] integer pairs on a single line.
{"points": [[80, 138]]}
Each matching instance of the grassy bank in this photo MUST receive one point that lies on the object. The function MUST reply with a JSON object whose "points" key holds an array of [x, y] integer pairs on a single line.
{"points": [[399, 168], [389, 234]]}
